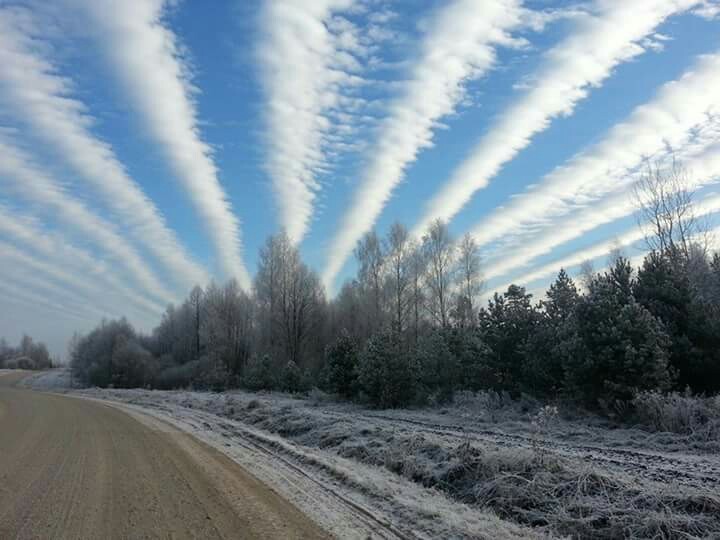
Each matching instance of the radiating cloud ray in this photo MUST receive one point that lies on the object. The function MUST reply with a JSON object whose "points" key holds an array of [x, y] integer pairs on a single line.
{"points": [[305, 68], [520, 248], [603, 248], [18, 294], [460, 46], [20, 176], [33, 91], [31, 273], [26, 264], [89, 271], [144, 54], [684, 117], [612, 33]]}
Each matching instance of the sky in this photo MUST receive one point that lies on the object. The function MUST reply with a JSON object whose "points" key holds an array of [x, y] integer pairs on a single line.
{"points": [[150, 145]]}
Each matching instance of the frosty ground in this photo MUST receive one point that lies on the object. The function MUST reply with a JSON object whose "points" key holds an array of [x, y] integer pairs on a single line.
{"points": [[485, 467]]}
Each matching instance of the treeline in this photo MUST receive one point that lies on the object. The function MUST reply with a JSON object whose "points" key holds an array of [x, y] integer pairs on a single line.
{"points": [[27, 355], [407, 329]]}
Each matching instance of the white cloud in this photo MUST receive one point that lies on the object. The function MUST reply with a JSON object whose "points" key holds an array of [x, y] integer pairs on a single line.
{"points": [[148, 61], [459, 45], [20, 293], [708, 164], [709, 9], [607, 36], [34, 275], [22, 177], [310, 60], [683, 118], [85, 270], [32, 90]]}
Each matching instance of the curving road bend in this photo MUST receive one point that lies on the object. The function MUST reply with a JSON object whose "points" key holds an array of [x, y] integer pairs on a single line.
{"points": [[74, 468]]}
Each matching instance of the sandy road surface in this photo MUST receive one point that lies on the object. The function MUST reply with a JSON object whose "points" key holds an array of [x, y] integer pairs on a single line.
{"points": [[72, 468]]}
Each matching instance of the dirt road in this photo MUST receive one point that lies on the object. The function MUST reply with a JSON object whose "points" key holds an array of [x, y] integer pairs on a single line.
{"points": [[73, 468]]}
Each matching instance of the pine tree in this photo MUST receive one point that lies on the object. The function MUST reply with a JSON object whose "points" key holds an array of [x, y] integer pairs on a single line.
{"points": [[544, 372], [341, 364], [386, 372], [506, 326], [618, 346]]}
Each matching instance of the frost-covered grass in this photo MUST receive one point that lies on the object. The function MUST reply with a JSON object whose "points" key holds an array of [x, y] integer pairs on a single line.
{"points": [[698, 418], [54, 379], [562, 473]]}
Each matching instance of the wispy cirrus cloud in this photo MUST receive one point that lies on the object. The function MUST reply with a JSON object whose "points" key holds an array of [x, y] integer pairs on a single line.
{"points": [[19, 294], [682, 121], [310, 62], [148, 61], [609, 34], [623, 241], [20, 176], [33, 92], [86, 271], [459, 45], [18, 264]]}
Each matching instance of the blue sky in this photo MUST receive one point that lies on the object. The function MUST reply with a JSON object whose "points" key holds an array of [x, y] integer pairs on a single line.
{"points": [[146, 145]]}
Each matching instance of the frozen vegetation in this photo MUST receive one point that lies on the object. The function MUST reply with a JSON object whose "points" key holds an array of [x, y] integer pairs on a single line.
{"points": [[407, 403], [486, 466]]}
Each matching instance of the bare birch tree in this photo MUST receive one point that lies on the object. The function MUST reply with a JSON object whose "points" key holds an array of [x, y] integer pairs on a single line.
{"points": [[439, 249], [667, 215], [469, 280]]}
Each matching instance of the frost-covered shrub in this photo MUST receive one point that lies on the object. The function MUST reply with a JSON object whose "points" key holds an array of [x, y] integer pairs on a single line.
{"points": [[679, 413], [488, 404], [132, 365], [211, 375], [173, 377]]}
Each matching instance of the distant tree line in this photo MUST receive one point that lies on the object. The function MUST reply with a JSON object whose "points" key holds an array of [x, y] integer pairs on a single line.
{"points": [[408, 328], [27, 355]]}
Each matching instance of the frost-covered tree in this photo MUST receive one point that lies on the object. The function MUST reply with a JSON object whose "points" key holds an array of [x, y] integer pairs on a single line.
{"points": [[371, 261], [290, 298], [439, 251], [229, 316], [468, 281], [398, 274], [417, 265], [196, 304]]}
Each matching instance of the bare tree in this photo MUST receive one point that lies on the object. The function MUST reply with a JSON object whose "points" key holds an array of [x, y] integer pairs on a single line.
{"points": [[469, 280], [439, 250], [196, 299], [398, 249], [290, 294], [371, 260], [587, 273], [346, 309], [615, 254], [417, 267], [667, 214], [229, 325], [266, 288]]}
